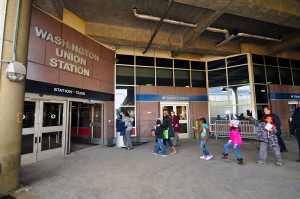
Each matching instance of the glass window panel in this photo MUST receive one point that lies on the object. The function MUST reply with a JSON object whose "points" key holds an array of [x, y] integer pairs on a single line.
{"points": [[296, 75], [261, 94], [52, 114], [243, 95], [51, 140], [85, 112], [125, 59], [284, 62], [162, 62], [181, 112], [182, 78], [257, 59], [259, 74], [238, 75], [124, 96], [295, 63], [217, 78], [198, 79], [164, 77], [28, 117], [125, 75], [197, 65], [183, 128], [260, 111], [27, 144], [144, 61], [145, 76], [237, 60], [272, 75], [272, 61], [181, 64], [216, 64], [285, 76], [74, 117]]}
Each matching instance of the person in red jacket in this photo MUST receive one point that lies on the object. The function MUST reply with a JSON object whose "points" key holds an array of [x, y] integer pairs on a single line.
{"points": [[176, 127], [235, 141]]}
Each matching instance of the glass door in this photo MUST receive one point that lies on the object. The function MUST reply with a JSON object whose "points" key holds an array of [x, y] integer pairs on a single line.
{"points": [[96, 124], [29, 132], [43, 130], [181, 111], [51, 134]]}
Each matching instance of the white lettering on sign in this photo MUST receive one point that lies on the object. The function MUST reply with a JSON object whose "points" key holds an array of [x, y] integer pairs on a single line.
{"points": [[175, 98], [70, 56], [64, 43], [69, 67], [68, 91]]}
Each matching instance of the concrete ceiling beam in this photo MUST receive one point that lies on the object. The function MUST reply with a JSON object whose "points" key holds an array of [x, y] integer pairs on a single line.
{"points": [[288, 44], [59, 7], [281, 12]]}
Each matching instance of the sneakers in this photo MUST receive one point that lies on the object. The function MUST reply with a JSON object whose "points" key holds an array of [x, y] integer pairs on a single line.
{"points": [[209, 157], [203, 157], [154, 153], [259, 162], [279, 164], [240, 161], [225, 157], [164, 155]]}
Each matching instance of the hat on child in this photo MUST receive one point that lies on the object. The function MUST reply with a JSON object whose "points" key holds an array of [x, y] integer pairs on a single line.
{"points": [[235, 123]]}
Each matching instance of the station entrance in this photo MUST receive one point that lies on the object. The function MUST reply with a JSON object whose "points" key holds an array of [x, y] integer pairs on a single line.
{"points": [[181, 111], [43, 134], [54, 125]]}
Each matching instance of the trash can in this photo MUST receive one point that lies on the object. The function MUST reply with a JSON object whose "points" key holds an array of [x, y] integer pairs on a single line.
{"points": [[119, 140], [197, 133]]}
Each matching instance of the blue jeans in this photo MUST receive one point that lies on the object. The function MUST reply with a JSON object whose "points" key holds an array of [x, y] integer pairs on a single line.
{"points": [[235, 150], [202, 145], [160, 145]]}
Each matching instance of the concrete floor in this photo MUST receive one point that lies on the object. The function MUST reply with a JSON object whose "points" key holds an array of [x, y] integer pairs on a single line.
{"points": [[115, 173]]}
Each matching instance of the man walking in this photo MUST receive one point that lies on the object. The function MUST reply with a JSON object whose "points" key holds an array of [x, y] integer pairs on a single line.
{"points": [[296, 126], [267, 111]]}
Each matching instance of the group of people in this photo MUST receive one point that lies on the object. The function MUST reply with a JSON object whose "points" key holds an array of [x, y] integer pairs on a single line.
{"points": [[164, 131], [269, 135]]}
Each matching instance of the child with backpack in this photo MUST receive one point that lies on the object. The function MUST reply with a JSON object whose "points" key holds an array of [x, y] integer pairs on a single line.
{"points": [[235, 141], [203, 128]]}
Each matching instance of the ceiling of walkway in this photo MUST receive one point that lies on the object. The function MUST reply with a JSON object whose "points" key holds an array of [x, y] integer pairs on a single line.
{"points": [[219, 27]]}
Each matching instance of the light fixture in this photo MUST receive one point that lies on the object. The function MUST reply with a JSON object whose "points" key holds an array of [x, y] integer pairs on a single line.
{"points": [[224, 90], [15, 71]]}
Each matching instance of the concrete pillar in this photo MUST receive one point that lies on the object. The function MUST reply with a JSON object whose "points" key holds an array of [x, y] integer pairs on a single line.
{"points": [[12, 93]]}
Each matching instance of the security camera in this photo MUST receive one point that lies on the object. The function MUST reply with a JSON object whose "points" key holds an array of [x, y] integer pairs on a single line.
{"points": [[15, 71]]}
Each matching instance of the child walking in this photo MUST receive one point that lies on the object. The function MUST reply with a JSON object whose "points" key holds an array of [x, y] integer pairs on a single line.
{"points": [[158, 132], [204, 137], [267, 137], [235, 142]]}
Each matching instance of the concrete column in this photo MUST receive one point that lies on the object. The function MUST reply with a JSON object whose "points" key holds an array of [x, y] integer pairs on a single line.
{"points": [[12, 94]]}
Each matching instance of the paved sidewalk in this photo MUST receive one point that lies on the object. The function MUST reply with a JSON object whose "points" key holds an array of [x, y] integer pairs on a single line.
{"points": [[115, 173]]}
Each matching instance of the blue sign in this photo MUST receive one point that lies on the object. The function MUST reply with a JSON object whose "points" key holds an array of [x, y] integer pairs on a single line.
{"points": [[276, 96], [155, 98]]}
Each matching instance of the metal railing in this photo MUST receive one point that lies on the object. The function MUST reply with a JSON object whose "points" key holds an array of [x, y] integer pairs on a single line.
{"points": [[220, 128]]}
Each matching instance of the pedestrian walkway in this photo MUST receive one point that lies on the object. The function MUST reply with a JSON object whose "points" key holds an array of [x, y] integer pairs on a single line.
{"points": [[115, 173]]}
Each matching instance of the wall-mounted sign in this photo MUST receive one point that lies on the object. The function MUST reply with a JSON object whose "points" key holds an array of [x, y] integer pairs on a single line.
{"points": [[53, 89], [189, 98], [289, 96], [68, 56]]}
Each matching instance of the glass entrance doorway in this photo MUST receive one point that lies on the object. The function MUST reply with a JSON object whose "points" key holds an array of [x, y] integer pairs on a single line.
{"points": [[181, 111], [43, 134], [86, 125]]}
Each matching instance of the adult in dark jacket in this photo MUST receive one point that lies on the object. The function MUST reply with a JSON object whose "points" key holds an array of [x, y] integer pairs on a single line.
{"points": [[167, 125], [267, 111], [295, 125]]}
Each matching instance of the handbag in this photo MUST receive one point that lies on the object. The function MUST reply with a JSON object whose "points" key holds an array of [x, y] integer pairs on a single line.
{"points": [[171, 132], [166, 134]]}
